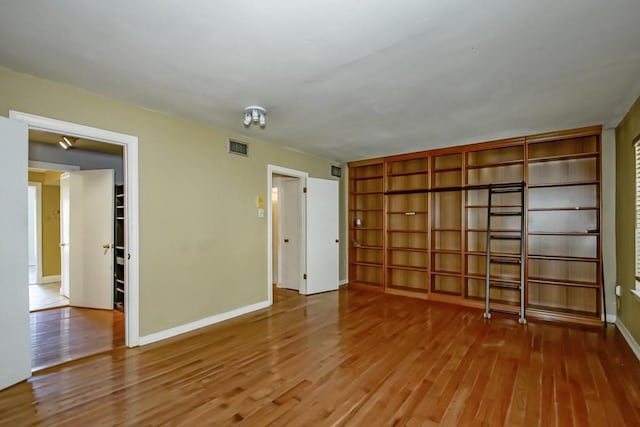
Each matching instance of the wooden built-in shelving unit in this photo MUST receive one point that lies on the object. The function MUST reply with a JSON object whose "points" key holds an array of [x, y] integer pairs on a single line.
{"points": [[418, 223]]}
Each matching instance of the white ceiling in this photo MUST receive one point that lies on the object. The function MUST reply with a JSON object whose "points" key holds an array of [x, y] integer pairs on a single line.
{"points": [[344, 79]]}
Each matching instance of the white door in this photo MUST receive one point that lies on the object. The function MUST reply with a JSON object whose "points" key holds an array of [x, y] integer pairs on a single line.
{"points": [[290, 247], [86, 210], [322, 235], [15, 345]]}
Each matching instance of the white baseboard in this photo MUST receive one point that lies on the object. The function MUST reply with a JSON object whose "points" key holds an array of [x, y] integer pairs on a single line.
{"points": [[611, 318], [630, 340], [168, 333], [343, 282], [50, 279]]}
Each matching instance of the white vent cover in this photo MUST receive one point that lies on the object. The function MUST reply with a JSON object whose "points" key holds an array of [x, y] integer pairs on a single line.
{"points": [[237, 147]]}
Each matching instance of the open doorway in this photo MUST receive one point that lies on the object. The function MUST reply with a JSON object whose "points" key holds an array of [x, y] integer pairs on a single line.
{"points": [[77, 304], [288, 232], [302, 236]]}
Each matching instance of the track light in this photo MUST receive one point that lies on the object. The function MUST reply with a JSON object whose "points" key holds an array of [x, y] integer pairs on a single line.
{"points": [[255, 114], [66, 142]]}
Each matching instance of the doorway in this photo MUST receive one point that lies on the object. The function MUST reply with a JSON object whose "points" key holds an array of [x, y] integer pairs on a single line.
{"points": [[286, 229], [288, 233], [76, 312], [305, 243], [129, 145]]}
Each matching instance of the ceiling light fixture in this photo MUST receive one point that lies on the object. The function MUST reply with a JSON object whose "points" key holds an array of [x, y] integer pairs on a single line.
{"points": [[255, 114], [66, 142]]}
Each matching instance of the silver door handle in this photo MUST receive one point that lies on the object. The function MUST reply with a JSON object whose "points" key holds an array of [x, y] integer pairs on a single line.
{"points": [[63, 245], [107, 246]]}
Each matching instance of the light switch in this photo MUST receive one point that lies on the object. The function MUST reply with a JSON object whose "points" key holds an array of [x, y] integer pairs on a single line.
{"points": [[260, 202], [260, 213]]}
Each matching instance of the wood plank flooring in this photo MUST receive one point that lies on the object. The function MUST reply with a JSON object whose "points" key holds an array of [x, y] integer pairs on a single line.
{"points": [[45, 296], [70, 333], [347, 358]]}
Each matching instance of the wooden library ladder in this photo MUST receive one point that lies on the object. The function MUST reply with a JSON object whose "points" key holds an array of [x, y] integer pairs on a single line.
{"points": [[504, 258]]}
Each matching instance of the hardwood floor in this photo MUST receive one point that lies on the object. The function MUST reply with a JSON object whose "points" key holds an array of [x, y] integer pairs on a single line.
{"points": [[70, 333], [347, 358], [46, 296]]}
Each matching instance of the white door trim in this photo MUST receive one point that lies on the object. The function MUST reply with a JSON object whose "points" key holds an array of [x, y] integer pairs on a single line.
{"points": [[38, 230], [271, 169], [130, 154]]}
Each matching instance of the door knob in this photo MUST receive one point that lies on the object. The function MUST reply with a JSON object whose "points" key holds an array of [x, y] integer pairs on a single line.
{"points": [[286, 240], [106, 246]]}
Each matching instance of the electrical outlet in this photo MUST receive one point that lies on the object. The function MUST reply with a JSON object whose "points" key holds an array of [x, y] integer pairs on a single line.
{"points": [[260, 213]]}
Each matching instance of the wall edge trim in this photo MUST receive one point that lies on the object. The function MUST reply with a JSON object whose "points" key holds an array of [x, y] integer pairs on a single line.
{"points": [[207, 321], [633, 344]]}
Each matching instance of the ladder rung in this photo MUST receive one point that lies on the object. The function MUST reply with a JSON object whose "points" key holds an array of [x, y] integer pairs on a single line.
{"points": [[506, 214], [504, 237], [520, 184], [505, 260], [512, 286], [497, 310], [505, 190]]}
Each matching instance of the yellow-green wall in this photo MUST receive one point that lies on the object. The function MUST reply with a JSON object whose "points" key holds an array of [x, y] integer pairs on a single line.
{"points": [[50, 225], [203, 249], [626, 132]]}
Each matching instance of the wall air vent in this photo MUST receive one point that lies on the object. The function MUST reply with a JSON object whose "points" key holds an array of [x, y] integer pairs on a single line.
{"points": [[336, 171], [237, 147]]}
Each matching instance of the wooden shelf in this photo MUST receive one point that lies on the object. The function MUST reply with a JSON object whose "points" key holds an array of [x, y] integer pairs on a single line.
{"points": [[493, 253], [446, 273], [367, 264], [495, 279], [495, 164], [547, 308], [451, 169], [564, 184], [446, 251], [407, 249], [561, 157], [577, 208], [562, 258], [368, 247], [441, 256], [574, 283], [407, 213], [493, 206], [408, 268], [563, 233], [366, 178], [493, 230], [424, 172]]}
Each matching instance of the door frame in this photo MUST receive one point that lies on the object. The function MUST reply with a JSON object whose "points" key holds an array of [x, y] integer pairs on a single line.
{"points": [[302, 176], [38, 229], [129, 144]]}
